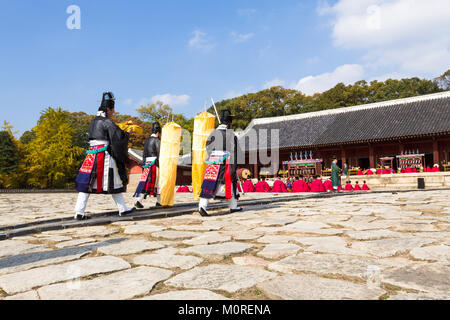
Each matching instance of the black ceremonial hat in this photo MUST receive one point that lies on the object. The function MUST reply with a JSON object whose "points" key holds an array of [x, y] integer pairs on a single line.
{"points": [[108, 100], [156, 127], [226, 117]]}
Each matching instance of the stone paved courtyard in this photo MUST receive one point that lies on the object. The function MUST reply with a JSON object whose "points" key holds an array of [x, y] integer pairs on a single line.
{"points": [[358, 246]]}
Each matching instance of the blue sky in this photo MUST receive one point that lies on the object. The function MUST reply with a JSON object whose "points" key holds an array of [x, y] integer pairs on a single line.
{"points": [[183, 52]]}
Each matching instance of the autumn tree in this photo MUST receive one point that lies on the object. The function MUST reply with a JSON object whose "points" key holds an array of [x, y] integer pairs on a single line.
{"points": [[52, 156]]}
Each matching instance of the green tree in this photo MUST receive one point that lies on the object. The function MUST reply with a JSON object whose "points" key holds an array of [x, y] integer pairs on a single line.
{"points": [[27, 137], [52, 158], [9, 153]]}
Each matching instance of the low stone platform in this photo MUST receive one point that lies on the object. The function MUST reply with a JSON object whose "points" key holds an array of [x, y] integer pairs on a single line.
{"points": [[403, 181], [355, 246]]}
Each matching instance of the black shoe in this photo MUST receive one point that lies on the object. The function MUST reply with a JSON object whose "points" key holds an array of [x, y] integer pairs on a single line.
{"points": [[236, 210], [203, 212], [81, 217], [158, 204], [127, 212], [138, 205]]}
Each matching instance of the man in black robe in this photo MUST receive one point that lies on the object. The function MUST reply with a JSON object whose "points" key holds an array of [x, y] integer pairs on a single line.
{"points": [[104, 169], [148, 185], [221, 173]]}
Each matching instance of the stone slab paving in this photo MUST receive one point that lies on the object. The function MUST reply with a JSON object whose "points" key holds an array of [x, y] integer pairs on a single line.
{"points": [[222, 249], [117, 286], [328, 264], [167, 261], [186, 295], [417, 296], [29, 295], [433, 253], [305, 249], [142, 229], [229, 278], [426, 277], [279, 250], [16, 247], [27, 280], [207, 238], [175, 235], [390, 247], [130, 247], [309, 287], [74, 243], [250, 261], [373, 234], [38, 259]]}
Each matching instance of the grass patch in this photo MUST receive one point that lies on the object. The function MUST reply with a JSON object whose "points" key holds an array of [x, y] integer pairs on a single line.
{"points": [[384, 296]]}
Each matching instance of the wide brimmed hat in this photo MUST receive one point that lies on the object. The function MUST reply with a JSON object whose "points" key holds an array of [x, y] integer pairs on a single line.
{"points": [[108, 100], [156, 127], [226, 117]]}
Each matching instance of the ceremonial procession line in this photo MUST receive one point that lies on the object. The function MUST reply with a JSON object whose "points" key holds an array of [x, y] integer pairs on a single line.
{"points": [[355, 246]]}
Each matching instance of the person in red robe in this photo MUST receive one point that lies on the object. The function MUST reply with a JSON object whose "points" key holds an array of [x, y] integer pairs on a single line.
{"points": [[348, 186], [266, 185], [365, 187], [248, 186], [317, 185], [369, 172], [414, 170], [357, 187], [435, 168], [408, 170], [360, 173], [379, 171], [279, 186], [259, 187], [328, 185], [299, 185]]}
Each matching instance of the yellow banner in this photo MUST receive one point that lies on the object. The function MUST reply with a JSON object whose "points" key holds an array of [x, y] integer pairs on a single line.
{"points": [[168, 161], [203, 126]]}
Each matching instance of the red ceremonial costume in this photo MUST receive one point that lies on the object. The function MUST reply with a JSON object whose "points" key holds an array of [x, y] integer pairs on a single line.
{"points": [[317, 186], [357, 187], [365, 187], [328, 185], [248, 186], [279, 186], [348, 187]]}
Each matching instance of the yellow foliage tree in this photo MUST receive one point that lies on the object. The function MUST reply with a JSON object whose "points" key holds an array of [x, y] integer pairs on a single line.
{"points": [[51, 157]]}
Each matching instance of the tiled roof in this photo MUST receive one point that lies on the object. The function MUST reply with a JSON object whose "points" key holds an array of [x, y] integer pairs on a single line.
{"points": [[410, 117]]}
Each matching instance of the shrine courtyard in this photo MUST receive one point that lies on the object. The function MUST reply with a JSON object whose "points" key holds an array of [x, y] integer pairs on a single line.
{"points": [[374, 245]]}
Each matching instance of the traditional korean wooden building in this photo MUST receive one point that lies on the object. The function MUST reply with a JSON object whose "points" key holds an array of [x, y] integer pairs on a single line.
{"points": [[361, 135]]}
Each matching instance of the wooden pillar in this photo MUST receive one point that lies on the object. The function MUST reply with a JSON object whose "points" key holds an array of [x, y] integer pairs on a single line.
{"points": [[343, 157], [371, 157], [436, 152]]}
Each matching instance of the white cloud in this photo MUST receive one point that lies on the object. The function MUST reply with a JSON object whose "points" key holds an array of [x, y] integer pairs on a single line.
{"points": [[240, 38], [274, 83], [408, 36], [128, 102], [171, 100], [246, 12], [200, 42], [347, 74]]}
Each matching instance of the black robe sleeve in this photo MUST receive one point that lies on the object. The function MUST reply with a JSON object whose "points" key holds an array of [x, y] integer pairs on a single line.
{"points": [[119, 148]]}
